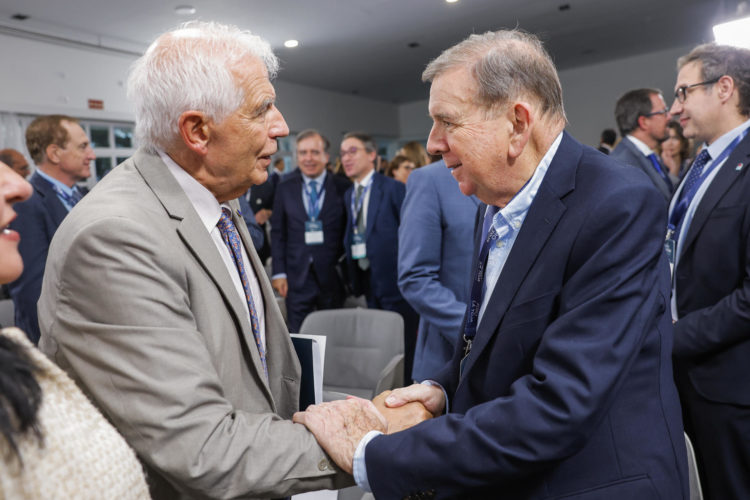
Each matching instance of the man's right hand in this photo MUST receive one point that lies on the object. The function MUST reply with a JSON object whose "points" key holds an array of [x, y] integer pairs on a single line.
{"points": [[281, 286], [401, 417], [262, 216], [431, 396]]}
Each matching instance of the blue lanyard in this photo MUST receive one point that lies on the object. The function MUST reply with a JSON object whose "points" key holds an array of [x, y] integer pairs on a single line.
{"points": [[475, 304], [356, 208], [313, 209], [685, 198]]}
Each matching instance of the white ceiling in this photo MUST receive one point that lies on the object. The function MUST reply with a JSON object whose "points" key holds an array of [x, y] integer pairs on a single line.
{"points": [[361, 46]]}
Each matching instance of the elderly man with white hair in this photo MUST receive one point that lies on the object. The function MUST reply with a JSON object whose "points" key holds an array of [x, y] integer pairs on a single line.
{"points": [[154, 299]]}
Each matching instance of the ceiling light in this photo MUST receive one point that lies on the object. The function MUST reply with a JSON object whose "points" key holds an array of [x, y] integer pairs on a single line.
{"points": [[291, 43], [735, 33], [185, 10], [451, 1]]}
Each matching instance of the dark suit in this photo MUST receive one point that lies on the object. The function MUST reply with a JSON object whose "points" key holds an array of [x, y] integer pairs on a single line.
{"points": [[434, 263], [260, 197], [568, 390], [378, 283], [38, 219], [311, 269], [712, 346], [627, 153]]}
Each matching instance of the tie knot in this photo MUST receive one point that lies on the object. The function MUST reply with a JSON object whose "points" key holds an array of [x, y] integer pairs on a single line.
{"points": [[313, 185], [360, 188], [703, 157]]}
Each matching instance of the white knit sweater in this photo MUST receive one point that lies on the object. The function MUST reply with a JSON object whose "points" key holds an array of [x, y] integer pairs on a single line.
{"points": [[82, 455]]}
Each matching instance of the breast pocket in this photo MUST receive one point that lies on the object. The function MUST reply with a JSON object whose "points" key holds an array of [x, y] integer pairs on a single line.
{"points": [[530, 311]]}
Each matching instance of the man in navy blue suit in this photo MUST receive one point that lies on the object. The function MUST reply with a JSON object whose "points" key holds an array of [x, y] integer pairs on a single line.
{"points": [[307, 231], [62, 153], [709, 237], [562, 384], [373, 206], [434, 262]]}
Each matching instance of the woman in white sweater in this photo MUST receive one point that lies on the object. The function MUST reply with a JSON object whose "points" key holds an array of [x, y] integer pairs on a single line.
{"points": [[53, 443]]}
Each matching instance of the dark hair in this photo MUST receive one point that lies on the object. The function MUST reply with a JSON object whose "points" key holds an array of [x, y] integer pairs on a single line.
{"points": [[609, 136], [311, 132], [684, 142], [631, 106], [365, 139], [20, 394], [46, 130], [719, 60]]}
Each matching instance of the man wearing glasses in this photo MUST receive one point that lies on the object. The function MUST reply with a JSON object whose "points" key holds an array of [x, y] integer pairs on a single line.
{"points": [[642, 117], [708, 244]]}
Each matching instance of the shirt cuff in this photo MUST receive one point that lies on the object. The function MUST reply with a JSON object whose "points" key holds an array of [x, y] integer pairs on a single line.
{"points": [[277, 276], [359, 468], [445, 394]]}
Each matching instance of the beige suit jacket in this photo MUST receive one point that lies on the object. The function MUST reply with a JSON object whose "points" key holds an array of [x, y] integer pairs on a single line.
{"points": [[139, 308]]}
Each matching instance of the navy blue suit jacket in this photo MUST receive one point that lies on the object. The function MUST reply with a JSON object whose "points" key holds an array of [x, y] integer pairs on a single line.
{"points": [[38, 219], [381, 237], [627, 153], [434, 262], [288, 249], [568, 390], [712, 281]]}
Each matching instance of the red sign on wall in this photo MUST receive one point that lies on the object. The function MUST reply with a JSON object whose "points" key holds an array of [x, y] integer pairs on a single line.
{"points": [[96, 104]]}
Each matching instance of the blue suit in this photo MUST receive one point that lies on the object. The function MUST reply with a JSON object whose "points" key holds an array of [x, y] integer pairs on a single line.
{"points": [[568, 389], [38, 219], [311, 269], [434, 262], [379, 282], [627, 153], [712, 346]]}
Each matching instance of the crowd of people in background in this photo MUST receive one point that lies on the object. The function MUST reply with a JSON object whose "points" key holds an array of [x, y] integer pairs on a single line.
{"points": [[163, 281]]}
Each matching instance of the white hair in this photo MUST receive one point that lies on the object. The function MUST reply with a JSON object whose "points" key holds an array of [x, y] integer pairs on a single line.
{"points": [[191, 67]]}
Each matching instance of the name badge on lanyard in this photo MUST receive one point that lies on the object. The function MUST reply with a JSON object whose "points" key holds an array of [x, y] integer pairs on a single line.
{"points": [[313, 232], [670, 249], [359, 247]]}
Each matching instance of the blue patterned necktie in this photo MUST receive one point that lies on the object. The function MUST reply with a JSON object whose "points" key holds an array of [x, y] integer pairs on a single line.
{"points": [[70, 199], [313, 199], [694, 176], [232, 239]]}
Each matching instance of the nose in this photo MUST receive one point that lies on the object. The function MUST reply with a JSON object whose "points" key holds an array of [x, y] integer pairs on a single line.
{"points": [[676, 108], [436, 143], [13, 187], [278, 126], [90, 153]]}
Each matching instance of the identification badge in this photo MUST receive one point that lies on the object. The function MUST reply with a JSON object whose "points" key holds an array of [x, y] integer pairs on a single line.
{"points": [[359, 248], [313, 232]]}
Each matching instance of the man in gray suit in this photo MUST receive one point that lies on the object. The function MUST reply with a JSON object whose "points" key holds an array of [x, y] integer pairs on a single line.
{"points": [[642, 117], [154, 299]]}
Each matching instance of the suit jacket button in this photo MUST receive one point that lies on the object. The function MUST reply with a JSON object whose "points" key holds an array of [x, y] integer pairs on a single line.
{"points": [[323, 465]]}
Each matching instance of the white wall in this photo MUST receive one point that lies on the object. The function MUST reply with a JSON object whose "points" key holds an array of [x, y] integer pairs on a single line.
{"points": [[42, 78], [589, 93]]}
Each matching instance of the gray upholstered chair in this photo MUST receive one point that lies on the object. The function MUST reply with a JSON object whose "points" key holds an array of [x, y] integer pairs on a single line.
{"points": [[364, 351]]}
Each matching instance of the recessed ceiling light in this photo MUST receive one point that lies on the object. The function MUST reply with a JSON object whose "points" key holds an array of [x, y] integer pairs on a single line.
{"points": [[185, 10], [733, 33], [291, 43], [451, 1]]}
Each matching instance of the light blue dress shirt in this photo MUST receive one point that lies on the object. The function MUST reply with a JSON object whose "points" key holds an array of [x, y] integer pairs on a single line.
{"points": [[65, 189]]}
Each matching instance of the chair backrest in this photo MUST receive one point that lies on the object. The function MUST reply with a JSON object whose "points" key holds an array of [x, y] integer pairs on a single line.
{"points": [[360, 343], [7, 312]]}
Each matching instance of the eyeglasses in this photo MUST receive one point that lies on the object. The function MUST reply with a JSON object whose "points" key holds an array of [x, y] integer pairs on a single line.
{"points": [[351, 151], [664, 111], [681, 93]]}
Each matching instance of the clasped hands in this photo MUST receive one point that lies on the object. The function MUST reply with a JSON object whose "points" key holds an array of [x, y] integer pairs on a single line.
{"points": [[338, 426]]}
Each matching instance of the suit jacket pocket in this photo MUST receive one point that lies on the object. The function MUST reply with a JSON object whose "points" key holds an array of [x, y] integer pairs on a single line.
{"points": [[530, 310]]}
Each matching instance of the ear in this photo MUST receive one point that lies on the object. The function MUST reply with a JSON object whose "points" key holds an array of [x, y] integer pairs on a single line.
{"points": [[372, 155], [725, 88], [195, 131], [52, 153], [641, 122], [521, 119]]}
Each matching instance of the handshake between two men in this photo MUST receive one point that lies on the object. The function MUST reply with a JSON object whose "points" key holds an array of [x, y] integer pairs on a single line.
{"points": [[340, 425]]}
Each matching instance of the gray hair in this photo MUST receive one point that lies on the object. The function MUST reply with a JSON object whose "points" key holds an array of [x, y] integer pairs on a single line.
{"points": [[506, 65], [191, 67], [632, 105], [719, 60]]}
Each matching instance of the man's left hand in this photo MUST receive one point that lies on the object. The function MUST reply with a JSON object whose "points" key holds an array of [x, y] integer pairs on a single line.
{"points": [[340, 425]]}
